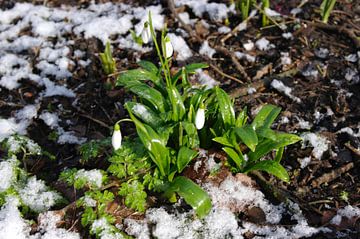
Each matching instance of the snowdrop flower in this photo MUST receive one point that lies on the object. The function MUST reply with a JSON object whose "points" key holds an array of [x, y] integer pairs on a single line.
{"points": [[116, 137], [200, 117], [169, 50], [146, 33]]}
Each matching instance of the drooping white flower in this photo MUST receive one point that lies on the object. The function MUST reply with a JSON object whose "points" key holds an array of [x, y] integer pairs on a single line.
{"points": [[116, 137], [146, 33], [200, 118], [169, 50]]}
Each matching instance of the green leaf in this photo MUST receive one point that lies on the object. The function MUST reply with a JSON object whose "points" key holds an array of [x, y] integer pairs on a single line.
{"points": [[184, 157], [242, 118], [138, 75], [191, 68], [223, 140], [88, 216], [237, 158], [178, 108], [266, 133], [135, 196], [247, 135], [279, 154], [192, 193], [270, 167], [266, 116], [144, 113], [267, 145], [225, 107], [192, 134], [147, 93], [149, 66], [155, 145]]}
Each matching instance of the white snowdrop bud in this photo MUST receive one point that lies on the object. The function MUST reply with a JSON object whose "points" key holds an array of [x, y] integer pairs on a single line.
{"points": [[169, 50], [200, 117], [116, 137], [146, 33]]}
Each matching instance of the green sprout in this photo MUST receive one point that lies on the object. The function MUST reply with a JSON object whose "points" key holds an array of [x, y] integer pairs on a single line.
{"points": [[244, 7], [265, 19], [325, 9], [344, 196], [107, 61]]}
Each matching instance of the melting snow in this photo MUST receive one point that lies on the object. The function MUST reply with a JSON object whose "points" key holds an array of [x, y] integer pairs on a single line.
{"points": [[348, 212], [205, 79], [278, 85], [263, 44], [180, 47], [319, 143], [221, 222], [206, 50]]}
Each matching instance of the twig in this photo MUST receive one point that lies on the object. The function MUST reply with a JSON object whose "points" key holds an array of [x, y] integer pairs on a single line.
{"points": [[258, 85], [237, 64], [353, 149], [328, 177], [225, 51], [95, 120], [224, 74]]}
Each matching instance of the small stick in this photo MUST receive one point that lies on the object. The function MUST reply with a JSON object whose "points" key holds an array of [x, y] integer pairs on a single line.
{"points": [[328, 177], [353, 149], [224, 74]]}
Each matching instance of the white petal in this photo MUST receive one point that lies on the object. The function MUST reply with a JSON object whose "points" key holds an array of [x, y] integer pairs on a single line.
{"points": [[169, 49], [146, 35], [200, 118], [116, 139]]}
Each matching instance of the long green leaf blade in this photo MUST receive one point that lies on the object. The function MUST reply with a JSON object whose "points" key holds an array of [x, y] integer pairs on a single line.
{"points": [[247, 135], [149, 66], [138, 75], [270, 167], [144, 113], [184, 157], [266, 116], [225, 107], [192, 193], [237, 158], [150, 94]]}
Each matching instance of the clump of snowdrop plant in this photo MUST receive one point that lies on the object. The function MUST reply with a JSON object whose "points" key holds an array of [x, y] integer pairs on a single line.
{"points": [[173, 120]]}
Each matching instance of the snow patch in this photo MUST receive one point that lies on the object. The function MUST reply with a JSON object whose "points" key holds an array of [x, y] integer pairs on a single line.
{"points": [[278, 85], [180, 47], [206, 50], [319, 143]]}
